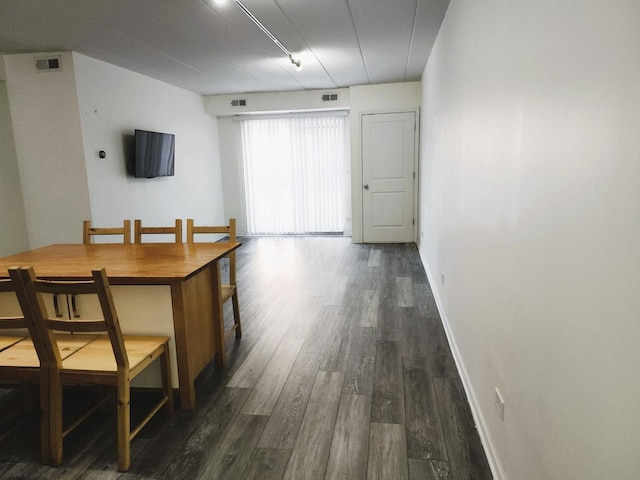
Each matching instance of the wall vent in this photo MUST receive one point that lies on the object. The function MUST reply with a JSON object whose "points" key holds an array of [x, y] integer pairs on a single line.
{"points": [[329, 97], [239, 103], [47, 64]]}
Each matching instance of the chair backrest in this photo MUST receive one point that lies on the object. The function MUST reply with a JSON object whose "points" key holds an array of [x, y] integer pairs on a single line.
{"points": [[29, 290], [14, 321], [139, 230], [229, 230], [88, 231]]}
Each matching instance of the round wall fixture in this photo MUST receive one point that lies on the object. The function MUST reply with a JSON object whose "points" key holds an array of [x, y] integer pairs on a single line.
{"points": [[102, 154]]}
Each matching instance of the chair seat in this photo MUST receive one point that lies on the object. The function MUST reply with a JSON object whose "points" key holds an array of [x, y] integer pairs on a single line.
{"points": [[98, 355], [8, 340], [227, 292], [23, 354]]}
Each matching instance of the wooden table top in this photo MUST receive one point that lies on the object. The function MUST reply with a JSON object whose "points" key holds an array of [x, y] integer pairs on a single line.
{"points": [[126, 264]]}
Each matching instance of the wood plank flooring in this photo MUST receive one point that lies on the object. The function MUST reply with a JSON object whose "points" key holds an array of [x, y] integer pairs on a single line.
{"points": [[343, 372]]}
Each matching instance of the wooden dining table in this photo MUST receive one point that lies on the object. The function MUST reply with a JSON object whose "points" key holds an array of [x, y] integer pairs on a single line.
{"points": [[158, 288]]}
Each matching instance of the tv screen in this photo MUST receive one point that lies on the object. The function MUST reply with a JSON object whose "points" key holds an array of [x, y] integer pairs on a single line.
{"points": [[154, 154]]}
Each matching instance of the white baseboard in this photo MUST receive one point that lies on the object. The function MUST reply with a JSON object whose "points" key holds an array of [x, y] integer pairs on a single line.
{"points": [[476, 412]]}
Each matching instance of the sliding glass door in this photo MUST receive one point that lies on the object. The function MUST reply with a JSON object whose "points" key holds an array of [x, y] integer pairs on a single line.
{"points": [[295, 174]]}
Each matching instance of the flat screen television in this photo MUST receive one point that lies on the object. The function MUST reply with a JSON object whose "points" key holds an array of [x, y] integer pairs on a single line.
{"points": [[154, 154]]}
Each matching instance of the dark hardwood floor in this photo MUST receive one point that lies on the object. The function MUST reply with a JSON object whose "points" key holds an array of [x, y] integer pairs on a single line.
{"points": [[343, 372]]}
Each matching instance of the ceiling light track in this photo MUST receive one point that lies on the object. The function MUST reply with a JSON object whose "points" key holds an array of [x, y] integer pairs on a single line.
{"points": [[296, 62]]}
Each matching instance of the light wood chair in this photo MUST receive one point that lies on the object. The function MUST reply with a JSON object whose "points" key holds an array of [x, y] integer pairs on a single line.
{"points": [[139, 230], [88, 231], [111, 359], [11, 322], [230, 290], [19, 359]]}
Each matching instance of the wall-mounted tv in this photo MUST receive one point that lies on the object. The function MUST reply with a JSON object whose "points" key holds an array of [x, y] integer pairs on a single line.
{"points": [[154, 154]]}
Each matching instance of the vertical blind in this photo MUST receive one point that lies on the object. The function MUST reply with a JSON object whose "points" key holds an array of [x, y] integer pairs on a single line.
{"points": [[295, 174]]}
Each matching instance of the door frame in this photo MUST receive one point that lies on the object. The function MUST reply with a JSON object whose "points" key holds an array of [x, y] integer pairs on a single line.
{"points": [[357, 185]]}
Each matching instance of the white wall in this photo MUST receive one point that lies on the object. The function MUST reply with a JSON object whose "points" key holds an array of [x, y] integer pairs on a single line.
{"points": [[113, 102], [530, 207], [13, 226], [61, 120], [48, 142], [231, 166], [220, 105]]}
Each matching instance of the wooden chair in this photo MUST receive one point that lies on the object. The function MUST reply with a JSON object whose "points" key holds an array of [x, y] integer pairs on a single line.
{"points": [[88, 231], [139, 230], [19, 363], [229, 291], [10, 322], [111, 359], [19, 359]]}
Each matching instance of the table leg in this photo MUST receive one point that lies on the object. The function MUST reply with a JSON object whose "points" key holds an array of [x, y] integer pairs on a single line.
{"points": [[218, 319], [185, 378]]}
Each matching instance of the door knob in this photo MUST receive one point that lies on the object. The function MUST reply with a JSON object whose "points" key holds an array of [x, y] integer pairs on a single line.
{"points": [[366, 187]]}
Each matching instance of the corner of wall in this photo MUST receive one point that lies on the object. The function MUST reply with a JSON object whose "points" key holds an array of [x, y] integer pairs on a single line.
{"points": [[3, 69], [13, 236], [49, 147]]}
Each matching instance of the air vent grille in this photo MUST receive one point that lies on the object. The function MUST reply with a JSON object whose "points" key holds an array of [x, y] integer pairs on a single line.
{"points": [[46, 64], [329, 97], [239, 103]]}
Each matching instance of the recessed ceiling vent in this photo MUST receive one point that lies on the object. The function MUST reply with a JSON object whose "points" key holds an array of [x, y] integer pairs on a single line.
{"points": [[239, 103], [329, 97], [47, 64]]}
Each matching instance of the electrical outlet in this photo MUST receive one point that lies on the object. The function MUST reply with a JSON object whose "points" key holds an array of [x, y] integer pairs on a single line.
{"points": [[499, 405], [442, 278]]}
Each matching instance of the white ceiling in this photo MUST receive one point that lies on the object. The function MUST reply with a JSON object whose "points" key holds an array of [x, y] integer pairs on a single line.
{"points": [[209, 49]]}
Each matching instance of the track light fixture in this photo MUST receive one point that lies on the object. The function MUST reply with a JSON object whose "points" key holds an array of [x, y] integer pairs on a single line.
{"points": [[297, 63]]}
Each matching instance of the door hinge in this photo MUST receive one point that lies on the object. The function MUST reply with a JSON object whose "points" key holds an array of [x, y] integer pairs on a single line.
{"points": [[414, 175], [413, 221]]}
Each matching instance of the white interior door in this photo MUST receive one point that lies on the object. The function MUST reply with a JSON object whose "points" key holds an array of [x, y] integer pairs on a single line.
{"points": [[388, 159]]}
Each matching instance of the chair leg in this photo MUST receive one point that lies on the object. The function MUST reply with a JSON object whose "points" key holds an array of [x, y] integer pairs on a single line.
{"points": [[124, 422], [236, 314], [45, 418], [167, 386], [52, 418], [29, 397]]}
